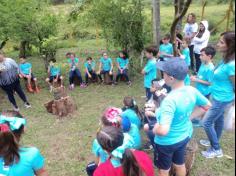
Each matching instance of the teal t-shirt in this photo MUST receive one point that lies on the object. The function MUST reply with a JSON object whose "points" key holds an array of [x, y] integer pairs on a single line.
{"points": [[30, 161], [25, 68], [99, 152], [54, 71], [205, 73], [135, 134], [167, 49], [132, 116], [222, 88], [175, 111], [122, 62], [150, 72], [187, 80], [73, 62], [186, 54], [91, 66], [106, 64]]}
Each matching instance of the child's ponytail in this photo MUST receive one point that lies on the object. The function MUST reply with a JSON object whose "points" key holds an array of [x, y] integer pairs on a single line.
{"points": [[130, 165]]}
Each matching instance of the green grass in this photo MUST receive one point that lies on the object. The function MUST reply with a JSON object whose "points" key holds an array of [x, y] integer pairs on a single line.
{"points": [[66, 143]]}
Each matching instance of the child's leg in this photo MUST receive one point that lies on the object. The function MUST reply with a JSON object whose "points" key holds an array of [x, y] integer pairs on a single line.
{"points": [[94, 75], [125, 74], [71, 77], [86, 78], [148, 94], [78, 74], [19, 91], [10, 93]]}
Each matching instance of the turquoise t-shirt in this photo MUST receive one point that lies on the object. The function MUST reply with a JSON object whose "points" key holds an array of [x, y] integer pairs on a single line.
{"points": [[186, 54], [25, 68], [54, 71], [122, 62], [222, 88], [91, 66], [175, 111], [132, 116], [135, 134], [150, 72], [30, 161], [187, 80], [73, 62], [106, 64], [205, 73], [167, 49], [99, 152]]}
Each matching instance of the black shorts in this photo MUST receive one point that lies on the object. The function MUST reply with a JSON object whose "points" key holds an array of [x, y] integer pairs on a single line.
{"points": [[32, 77], [168, 154], [51, 78]]}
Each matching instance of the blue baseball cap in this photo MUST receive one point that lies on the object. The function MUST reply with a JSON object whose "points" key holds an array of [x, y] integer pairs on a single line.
{"points": [[175, 67], [125, 124]]}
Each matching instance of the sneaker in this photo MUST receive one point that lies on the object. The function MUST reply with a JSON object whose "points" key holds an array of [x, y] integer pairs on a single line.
{"points": [[83, 85], [212, 153], [27, 105], [16, 109], [147, 147], [129, 83], [205, 143]]}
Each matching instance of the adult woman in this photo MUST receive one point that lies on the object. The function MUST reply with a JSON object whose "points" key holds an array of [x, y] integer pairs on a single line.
{"points": [[16, 160], [190, 30], [223, 94], [131, 163], [200, 41], [9, 80]]}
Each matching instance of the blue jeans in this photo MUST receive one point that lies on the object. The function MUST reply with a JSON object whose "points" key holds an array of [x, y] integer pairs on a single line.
{"points": [[213, 122], [73, 74]]}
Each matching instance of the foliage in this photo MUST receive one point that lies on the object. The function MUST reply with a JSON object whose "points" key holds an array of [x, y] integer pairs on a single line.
{"points": [[26, 21], [121, 21]]}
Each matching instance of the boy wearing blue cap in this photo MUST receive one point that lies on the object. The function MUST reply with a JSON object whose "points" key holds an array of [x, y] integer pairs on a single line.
{"points": [[173, 129]]}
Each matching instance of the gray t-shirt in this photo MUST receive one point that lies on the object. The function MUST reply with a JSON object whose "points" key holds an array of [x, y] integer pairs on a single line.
{"points": [[8, 72]]}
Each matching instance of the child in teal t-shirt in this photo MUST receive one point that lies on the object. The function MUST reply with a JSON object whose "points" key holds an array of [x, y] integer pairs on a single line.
{"points": [[24, 161], [150, 71], [90, 65], [185, 52], [105, 67], [122, 65], [25, 72], [133, 131], [166, 49], [205, 74], [131, 111], [54, 75], [74, 70]]}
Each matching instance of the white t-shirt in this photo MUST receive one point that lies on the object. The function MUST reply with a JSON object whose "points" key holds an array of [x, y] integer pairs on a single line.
{"points": [[189, 29]]}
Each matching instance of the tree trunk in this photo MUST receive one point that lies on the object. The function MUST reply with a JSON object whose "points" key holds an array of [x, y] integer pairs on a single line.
{"points": [[176, 21], [23, 45], [3, 43], [156, 22]]}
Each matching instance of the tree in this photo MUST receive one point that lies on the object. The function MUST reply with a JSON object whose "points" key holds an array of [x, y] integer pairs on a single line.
{"points": [[156, 22], [26, 22], [178, 17]]}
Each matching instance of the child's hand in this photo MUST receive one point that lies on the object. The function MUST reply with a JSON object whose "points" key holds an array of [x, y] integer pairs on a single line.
{"points": [[143, 72], [193, 78], [110, 72], [89, 76], [146, 127]]}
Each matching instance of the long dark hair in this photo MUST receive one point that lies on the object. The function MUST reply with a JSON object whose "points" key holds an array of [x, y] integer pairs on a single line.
{"points": [[200, 33], [110, 138], [125, 53], [9, 141], [229, 38]]}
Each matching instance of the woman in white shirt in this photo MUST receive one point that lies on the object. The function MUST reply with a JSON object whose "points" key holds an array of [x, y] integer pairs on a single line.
{"points": [[190, 31], [200, 41]]}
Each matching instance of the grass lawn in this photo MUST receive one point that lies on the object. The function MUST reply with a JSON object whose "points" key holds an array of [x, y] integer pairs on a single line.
{"points": [[66, 144]]}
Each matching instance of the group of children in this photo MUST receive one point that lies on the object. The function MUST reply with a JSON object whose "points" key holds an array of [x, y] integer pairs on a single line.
{"points": [[106, 66]]}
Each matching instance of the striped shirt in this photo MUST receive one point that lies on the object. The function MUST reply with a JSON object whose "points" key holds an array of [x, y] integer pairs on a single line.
{"points": [[8, 72]]}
